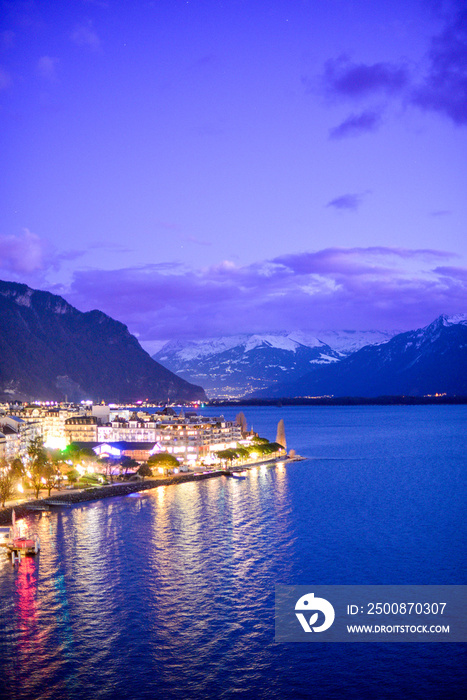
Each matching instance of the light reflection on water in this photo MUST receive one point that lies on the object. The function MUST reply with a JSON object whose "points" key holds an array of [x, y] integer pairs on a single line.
{"points": [[171, 594]]}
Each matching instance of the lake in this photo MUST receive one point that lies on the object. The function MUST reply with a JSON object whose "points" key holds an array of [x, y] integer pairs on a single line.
{"points": [[170, 593]]}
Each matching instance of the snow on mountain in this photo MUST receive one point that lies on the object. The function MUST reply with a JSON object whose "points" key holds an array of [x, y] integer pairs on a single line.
{"points": [[189, 350], [346, 342], [454, 320], [233, 366], [428, 361], [280, 342]]}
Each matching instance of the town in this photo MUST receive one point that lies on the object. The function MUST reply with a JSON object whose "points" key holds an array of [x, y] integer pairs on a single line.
{"points": [[44, 446]]}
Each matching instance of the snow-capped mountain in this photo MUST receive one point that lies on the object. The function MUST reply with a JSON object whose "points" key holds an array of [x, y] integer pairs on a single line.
{"points": [[233, 366], [430, 360], [347, 342]]}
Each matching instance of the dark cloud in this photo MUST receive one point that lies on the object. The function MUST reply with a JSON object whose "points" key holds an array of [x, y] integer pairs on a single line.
{"points": [[352, 80], [346, 201], [333, 288], [444, 89], [456, 273], [357, 124]]}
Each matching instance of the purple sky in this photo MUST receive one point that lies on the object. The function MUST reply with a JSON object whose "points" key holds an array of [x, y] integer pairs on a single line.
{"points": [[206, 167]]}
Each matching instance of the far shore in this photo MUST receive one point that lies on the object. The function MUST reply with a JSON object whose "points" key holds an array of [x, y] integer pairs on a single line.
{"points": [[73, 497]]}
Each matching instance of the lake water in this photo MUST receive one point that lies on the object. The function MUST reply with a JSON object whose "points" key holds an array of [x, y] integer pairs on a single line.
{"points": [[170, 594]]}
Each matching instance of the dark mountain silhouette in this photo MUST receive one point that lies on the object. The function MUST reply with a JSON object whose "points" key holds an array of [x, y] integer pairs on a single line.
{"points": [[49, 350]]}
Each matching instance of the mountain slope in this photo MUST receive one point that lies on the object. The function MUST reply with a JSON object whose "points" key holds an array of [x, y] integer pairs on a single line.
{"points": [[50, 350], [427, 361], [232, 367], [236, 365]]}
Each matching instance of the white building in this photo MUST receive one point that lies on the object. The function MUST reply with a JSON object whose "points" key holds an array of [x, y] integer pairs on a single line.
{"points": [[18, 433]]}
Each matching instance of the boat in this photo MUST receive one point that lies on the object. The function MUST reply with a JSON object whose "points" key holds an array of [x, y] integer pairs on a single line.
{"points": [[20, 540], [239, 475]]}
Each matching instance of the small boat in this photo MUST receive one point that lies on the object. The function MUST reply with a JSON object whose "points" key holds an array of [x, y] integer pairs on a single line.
{"points": [[239, 475]]}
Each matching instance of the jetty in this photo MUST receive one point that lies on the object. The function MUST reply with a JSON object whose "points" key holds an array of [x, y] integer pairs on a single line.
{"points": [[20, 541]]}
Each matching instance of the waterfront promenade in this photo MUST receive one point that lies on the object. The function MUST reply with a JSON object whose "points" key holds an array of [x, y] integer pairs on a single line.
{"points": [[74, 496]]}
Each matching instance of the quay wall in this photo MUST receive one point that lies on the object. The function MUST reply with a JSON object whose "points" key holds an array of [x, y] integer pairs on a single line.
{"points": [[95, 494]]}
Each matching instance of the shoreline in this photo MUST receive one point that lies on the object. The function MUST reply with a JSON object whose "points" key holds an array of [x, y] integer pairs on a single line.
{"points": [[122, 489]]}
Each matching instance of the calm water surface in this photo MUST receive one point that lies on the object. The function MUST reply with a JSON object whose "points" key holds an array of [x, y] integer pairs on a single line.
{"points": [[170, 594]]}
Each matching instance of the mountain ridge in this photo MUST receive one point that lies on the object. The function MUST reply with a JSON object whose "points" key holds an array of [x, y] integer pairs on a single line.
{"points": [[49, 350], [232, 366], [269, 364], [428, 361]]}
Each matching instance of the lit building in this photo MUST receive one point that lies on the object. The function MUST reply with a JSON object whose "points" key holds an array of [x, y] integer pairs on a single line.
{"points": [[190, 438], [81, 429], [18, 434]]}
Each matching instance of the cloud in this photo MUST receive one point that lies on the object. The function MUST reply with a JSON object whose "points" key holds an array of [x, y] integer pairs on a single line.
{"points": [[351, 80], [352, 261], [444, 88], [456, 273], [27, 257], [22, 254], [440, 212], [346, 201], [85, 35], [332, 288], [47, 68], [356, 124], [441, 88]]}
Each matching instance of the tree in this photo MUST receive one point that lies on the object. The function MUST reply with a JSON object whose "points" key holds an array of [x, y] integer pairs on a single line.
{"points": [[241, 420], [108, 463], [73, 476], [18, 467], [127, 463], [144, 470], [226, 455], [280, 438], [49, 477], [9, 472], [78, 456], [164, 460], [6, 481], [242, 453], [38, 460]]}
